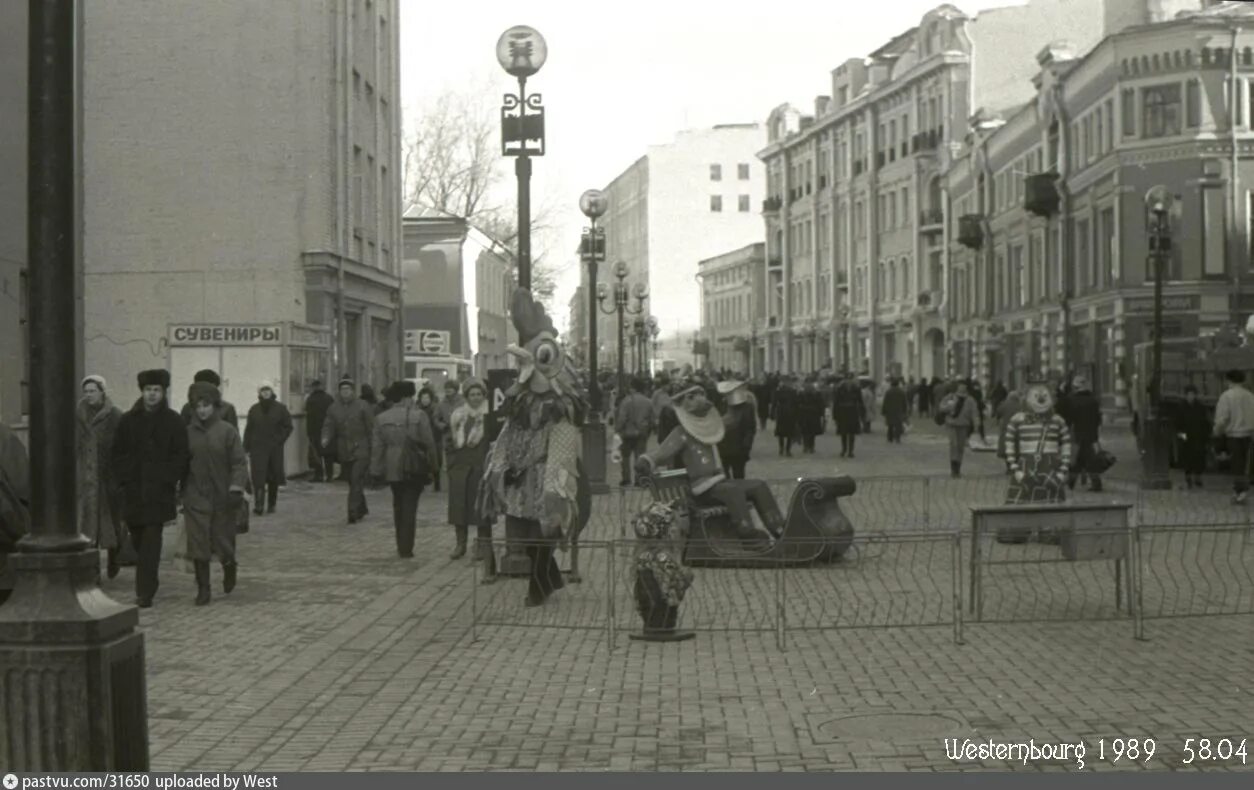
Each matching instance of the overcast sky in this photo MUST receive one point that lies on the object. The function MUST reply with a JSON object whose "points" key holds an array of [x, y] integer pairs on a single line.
{"points": [[624, 75]]}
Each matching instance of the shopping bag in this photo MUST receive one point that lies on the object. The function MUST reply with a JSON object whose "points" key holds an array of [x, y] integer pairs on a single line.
{"points": [[242, 515], [174, 546]]}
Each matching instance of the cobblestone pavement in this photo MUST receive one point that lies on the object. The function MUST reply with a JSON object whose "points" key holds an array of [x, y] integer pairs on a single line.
{"points": [[334, 654]]}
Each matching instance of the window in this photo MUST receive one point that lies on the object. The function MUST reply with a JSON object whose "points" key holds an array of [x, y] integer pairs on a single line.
{"points": [[1106, 244], [1160, 110], [1110, 125], [716, 202], [1128, 112], [716, 172], [743, 203], [1240, 101], [742, 171], [1193, 104], [1082, 277]]}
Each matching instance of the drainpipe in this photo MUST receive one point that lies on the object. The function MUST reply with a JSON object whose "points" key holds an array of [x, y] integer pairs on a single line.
{"points": [[1235, 181], [342, 66], [1064, 195]]}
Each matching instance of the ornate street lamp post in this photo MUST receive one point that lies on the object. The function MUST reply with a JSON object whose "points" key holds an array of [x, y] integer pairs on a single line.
{"points": [[593, 203], [1156, 431], [521, 51], [651, 330], [73, 694], [622, 295]]}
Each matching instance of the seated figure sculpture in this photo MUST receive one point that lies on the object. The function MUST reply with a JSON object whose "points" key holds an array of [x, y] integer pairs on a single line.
{"points": [[695, 443]]}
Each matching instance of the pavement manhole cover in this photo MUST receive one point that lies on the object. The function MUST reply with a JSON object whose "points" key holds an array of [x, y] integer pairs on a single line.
{"points": [[891, 726]]}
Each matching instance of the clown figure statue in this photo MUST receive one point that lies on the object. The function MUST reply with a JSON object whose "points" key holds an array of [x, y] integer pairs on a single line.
{"points": [[1037, 450], [695, 443]]}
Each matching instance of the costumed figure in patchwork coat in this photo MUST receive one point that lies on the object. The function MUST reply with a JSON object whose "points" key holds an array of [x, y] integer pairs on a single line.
{"points": [[1038, 453], [534, 474]]}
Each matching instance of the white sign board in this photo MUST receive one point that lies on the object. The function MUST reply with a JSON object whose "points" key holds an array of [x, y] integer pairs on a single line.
{"points": [[427, 341]]}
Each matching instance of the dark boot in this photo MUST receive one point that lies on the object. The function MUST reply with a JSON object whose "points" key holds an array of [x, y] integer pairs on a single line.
{"points": [[955, 469], [202, 582], [459, 550], [228, 576], [272, 497], [113, 563]]}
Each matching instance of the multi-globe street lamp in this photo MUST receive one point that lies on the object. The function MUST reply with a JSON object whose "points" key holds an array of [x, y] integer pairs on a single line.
{"points": [[593, 203], [521, 51], [621, 295], [1161, 208], [642, 331]]}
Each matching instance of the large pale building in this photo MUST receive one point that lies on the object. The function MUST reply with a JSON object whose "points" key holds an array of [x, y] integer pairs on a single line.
{"points": [[241, 187], [855, 224], [733, 290], [1048, 239], [680, 203]]}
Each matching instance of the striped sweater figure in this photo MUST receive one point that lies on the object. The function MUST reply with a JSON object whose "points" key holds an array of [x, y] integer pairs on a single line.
{"points": [[1038, 454]]}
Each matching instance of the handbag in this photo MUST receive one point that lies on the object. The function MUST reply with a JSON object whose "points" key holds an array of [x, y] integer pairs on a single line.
{"points": [[415, 468], [1101, 461]]}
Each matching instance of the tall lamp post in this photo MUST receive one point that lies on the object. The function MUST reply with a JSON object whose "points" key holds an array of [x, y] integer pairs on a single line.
{"points": [[1157, 432], [74, 695], [654, 330], [593, 203], [622, 294], [521, 51]]}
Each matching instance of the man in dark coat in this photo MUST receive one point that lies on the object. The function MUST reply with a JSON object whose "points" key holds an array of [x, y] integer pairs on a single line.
{"points": [[269, 424], [349, 428], [848, 410], [316, 405], [739, 428], [784, 412], [150, 458], [226, 412], [896, 408], [1083, 413]]}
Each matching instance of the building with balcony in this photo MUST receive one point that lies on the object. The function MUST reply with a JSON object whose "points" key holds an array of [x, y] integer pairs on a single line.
{"points": [[733, 286], [1049, 247], [681, 202], [856, 230]]}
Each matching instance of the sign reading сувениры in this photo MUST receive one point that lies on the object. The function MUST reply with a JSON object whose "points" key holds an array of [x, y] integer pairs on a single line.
{"points": [[226, 334]]}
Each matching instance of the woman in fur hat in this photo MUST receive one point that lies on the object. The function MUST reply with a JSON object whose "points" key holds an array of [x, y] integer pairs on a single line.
{"points": [[268, 427], [99, 515], [213, 490], [468, 443], [226, 411], [150, 458]]}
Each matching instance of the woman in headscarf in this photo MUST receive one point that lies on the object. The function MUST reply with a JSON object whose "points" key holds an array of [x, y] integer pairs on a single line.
{"points": [[99, 514], [213, 490], [426, 402], [268, 427], [467, 456]]}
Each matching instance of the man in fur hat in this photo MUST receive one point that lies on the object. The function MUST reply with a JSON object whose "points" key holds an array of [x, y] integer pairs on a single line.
{"points": [[226, 411], [349, 428], [267, 430], [695, 442], [150, 458]]}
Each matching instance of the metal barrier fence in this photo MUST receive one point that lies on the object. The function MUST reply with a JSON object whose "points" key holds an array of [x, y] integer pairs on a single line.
{"points": [[936, 503], [911, 566]]}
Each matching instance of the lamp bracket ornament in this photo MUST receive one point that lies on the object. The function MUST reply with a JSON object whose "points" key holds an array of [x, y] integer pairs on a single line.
{"points": [[522, 126]]}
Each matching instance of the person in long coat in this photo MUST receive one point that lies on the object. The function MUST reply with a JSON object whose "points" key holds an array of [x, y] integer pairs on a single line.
{"points": [[149, 461], [847, 408], [960, 419], [427, 402], [213, 490], [317, 404], [896, 408], [784, 412], [268, 427], [349, 429], [15, 472], [99, 511], [739, 428], [1194, 430], [402, 424], [468, 442], [810, 408], [868, 404]]}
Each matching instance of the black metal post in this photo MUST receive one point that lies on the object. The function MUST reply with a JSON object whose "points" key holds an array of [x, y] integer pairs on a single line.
{"points": [[74, 696], [593, 316], [522, 168], [622, 305]]}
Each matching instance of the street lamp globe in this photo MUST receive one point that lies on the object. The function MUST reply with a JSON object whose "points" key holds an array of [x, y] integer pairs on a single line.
{"points": [[640, 291], [521, 51], [621, 270], [593, 203], [603, 291]]}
